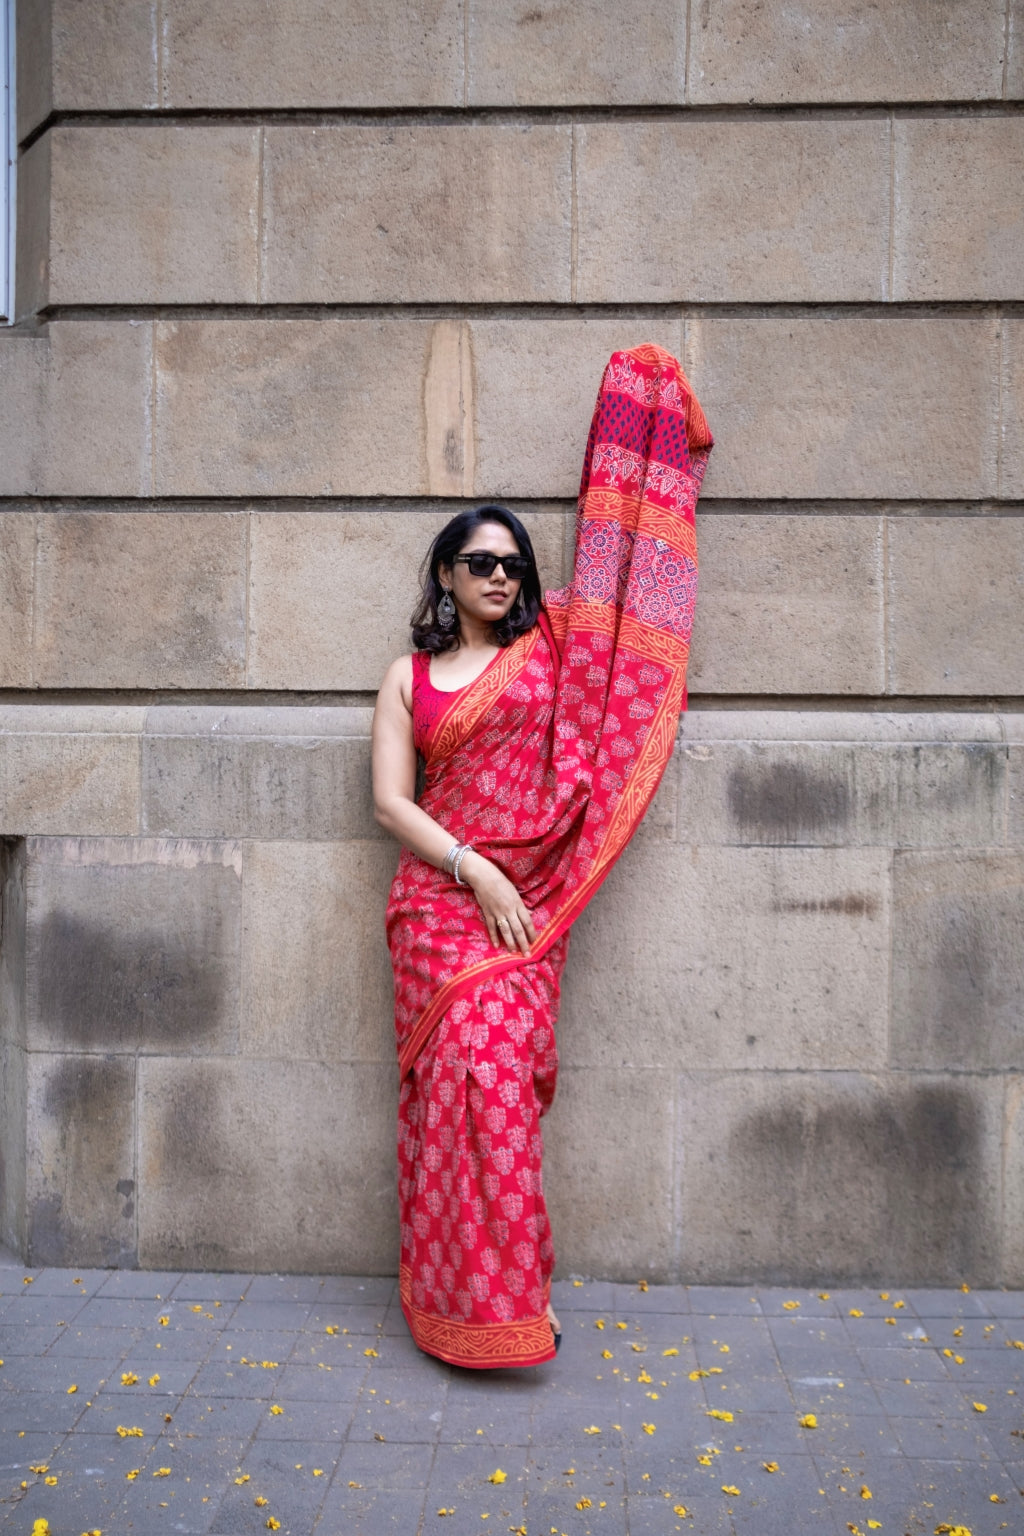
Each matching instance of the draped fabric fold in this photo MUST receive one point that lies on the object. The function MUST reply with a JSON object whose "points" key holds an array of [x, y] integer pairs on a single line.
{"points": [[545, 764]]}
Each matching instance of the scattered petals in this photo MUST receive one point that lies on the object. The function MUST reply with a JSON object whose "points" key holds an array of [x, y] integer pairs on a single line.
{"points": [[874, 1525], [865, 1491], [51, 1482], [648, 1429], [444, 1511], [790, 1306], [953, 1530], [39, 1467], [606, 1354], [705, 1461], [891, 1321], [132, 1475], [243, 1479], [980, 1407], [856, 1312], [680, 1510], [586, 1503], [155, 1377], [808, 1421], [592, 1429], [163, 1321], [639, 1349], [126, 1433], [318, 1471], [272, 1524], [698, 1373], [275, 1408], [162, 1472], [824, 1296], [332, 1328], [129, 1379], [600, 1323], [731, 1490], [667, 1352], [770, 1466], [42, 1527], [720, 1413], [993, 1498], [260, 1501], [196, 1308], [371, 1352], [623, 1326]]}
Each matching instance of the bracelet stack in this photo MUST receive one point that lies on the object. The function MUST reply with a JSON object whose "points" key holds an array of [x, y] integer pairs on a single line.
{"points": [[452, 861]]}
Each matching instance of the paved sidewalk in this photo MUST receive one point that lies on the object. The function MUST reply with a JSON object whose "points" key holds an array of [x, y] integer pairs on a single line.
{"points": [[148, 1403]]}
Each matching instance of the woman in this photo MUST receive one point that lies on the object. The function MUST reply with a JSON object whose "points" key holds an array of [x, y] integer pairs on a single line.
{"points": [[545, 729]]}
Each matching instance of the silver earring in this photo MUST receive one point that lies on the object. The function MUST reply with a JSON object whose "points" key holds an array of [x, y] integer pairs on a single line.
{"points": [[446, 610]]}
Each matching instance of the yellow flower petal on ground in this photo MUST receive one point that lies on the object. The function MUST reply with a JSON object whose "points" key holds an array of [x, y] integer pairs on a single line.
{"points": [[606, 1354], [272, 1524], [498, 1476], [260, 1501], [874, 1525], [770, 1466], [667, 1352], [196, 1308], [372, 1353], [332, 1327], [592, 1429], [154, 1379], [698, 1373], [731, 1490], [644, 1377], [980, 1407], [318, 1471], [883, 1295], [994, 1498], [442, 1511], [891, 1321], [584, 1503], [680, 1510], [600, 1323], [824, 1296], [648, 1429], [163, 1321], [42, 1527], [162, 1472], [132, 1475], [720, 1413], [723, 1349], [705, 1461], [51, 1482], [129, 1379], [715, 1370], [243, 1479], [808, 1421], [639, 1349], [865, 1491], [269, 1365], [953, 1530], [622, 1325], [39, 1467], [73, 1388], [856, 1312], [790, 1306], [898, 1306], [275, 1409], [958, 1359]]}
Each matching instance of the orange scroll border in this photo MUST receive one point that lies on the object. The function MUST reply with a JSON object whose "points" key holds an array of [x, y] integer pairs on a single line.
{"points": [[476, 1346]]}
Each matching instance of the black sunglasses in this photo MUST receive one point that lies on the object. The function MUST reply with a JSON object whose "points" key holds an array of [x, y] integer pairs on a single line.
{"points": [[482, 563]]}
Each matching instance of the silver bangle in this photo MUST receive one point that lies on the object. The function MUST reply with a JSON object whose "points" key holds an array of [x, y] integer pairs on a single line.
{"points": [[458, 863], [448, 861]]}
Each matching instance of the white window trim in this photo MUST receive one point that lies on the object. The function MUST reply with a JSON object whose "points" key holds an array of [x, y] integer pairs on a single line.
{"points": [[8, 160]]}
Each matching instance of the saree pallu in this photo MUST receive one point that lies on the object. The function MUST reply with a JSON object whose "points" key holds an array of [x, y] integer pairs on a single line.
{"points": [[545, 764]]}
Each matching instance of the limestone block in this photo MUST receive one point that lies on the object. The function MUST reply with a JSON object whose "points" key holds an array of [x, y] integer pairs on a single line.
{"points": [[1015, 51], [719, 957], [74, 410], [140, 599], [81, 1194], [12, 985], [290, 407], [1015, 808], [427, 212], [1011, 452], [315, 960], [154, 214], [520, 54], [915, 1158], [82, 55], [17, 554], [612, 1215], [918, 50], [789, 605], [213, 785], [268, 1166], [958, 961], [848, 406], [1013, 1175], [12, 1145], [718, 211], [244, 53], [331, 594], [956, 621], [66, 784], [133, 944], [841, 793], [958, 211], [32, 257], [536, 383]]}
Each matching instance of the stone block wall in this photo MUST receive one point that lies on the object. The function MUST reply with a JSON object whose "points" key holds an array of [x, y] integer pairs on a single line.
{"points": [[295, 283]]}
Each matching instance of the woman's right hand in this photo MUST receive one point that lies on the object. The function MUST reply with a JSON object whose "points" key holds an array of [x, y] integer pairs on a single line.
{"points": [[506, 914]]}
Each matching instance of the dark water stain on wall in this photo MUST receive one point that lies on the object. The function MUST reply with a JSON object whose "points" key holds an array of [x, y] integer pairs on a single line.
{"points": [[865, 1185], [776, 802]]}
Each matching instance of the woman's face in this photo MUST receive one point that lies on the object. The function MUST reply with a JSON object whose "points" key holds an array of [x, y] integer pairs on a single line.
{"points": [[488, 599]]}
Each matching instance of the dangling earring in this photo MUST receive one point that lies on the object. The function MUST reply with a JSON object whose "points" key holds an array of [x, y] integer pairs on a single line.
{"points": [[446, 610]]}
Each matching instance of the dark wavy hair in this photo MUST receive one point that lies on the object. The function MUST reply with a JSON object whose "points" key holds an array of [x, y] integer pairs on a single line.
{"points": [[427, 634]]}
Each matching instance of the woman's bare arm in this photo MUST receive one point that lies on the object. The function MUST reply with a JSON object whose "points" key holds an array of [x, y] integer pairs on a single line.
{"points": [[394, 788]]}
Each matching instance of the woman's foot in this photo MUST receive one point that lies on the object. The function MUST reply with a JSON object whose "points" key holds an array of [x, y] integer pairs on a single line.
{"points": [[556, 1327]]}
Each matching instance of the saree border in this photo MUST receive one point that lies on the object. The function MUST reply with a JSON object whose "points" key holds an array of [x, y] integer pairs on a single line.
{"points": [[470, 703], [477, 1346]]}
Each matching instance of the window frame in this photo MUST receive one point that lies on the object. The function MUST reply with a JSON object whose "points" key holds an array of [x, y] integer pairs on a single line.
{"points": [[8, 161]]}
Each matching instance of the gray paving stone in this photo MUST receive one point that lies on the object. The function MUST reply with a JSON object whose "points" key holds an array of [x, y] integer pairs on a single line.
{"points": [[103, 1415], [203, 1287], [284, 1288], [1008, 1304], [268, 1316], [305, 1419], [358, 1318], [35, 1309], [107, 1344], [201, 1417], [68, 1282], [286, 1475], [583, 1295], [217, 1379], [960, 1440], [176, 1344], [306, 1383], [384, 1468], [147, 1284], [46, 1412], [958, 1304], [118, 1312], [365, 1291], [919, 1362], [362, 1512], [17, 1338]]}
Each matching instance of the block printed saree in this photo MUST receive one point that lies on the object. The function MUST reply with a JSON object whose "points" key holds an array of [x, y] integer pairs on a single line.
{"points": [[545, 764]]}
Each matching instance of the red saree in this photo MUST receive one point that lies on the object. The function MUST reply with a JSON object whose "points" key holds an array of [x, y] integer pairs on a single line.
{"points": [[546, 764]]}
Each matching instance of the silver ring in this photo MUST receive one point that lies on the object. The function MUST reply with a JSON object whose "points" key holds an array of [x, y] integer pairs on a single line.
{"points": [[503, 922]]}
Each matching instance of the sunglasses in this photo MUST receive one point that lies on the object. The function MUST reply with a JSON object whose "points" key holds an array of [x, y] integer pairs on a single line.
{"points": [[484, 564]]}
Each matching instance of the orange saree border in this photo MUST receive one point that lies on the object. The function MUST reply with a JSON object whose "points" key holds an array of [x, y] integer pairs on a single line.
{"points": [[477, 1346]]}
